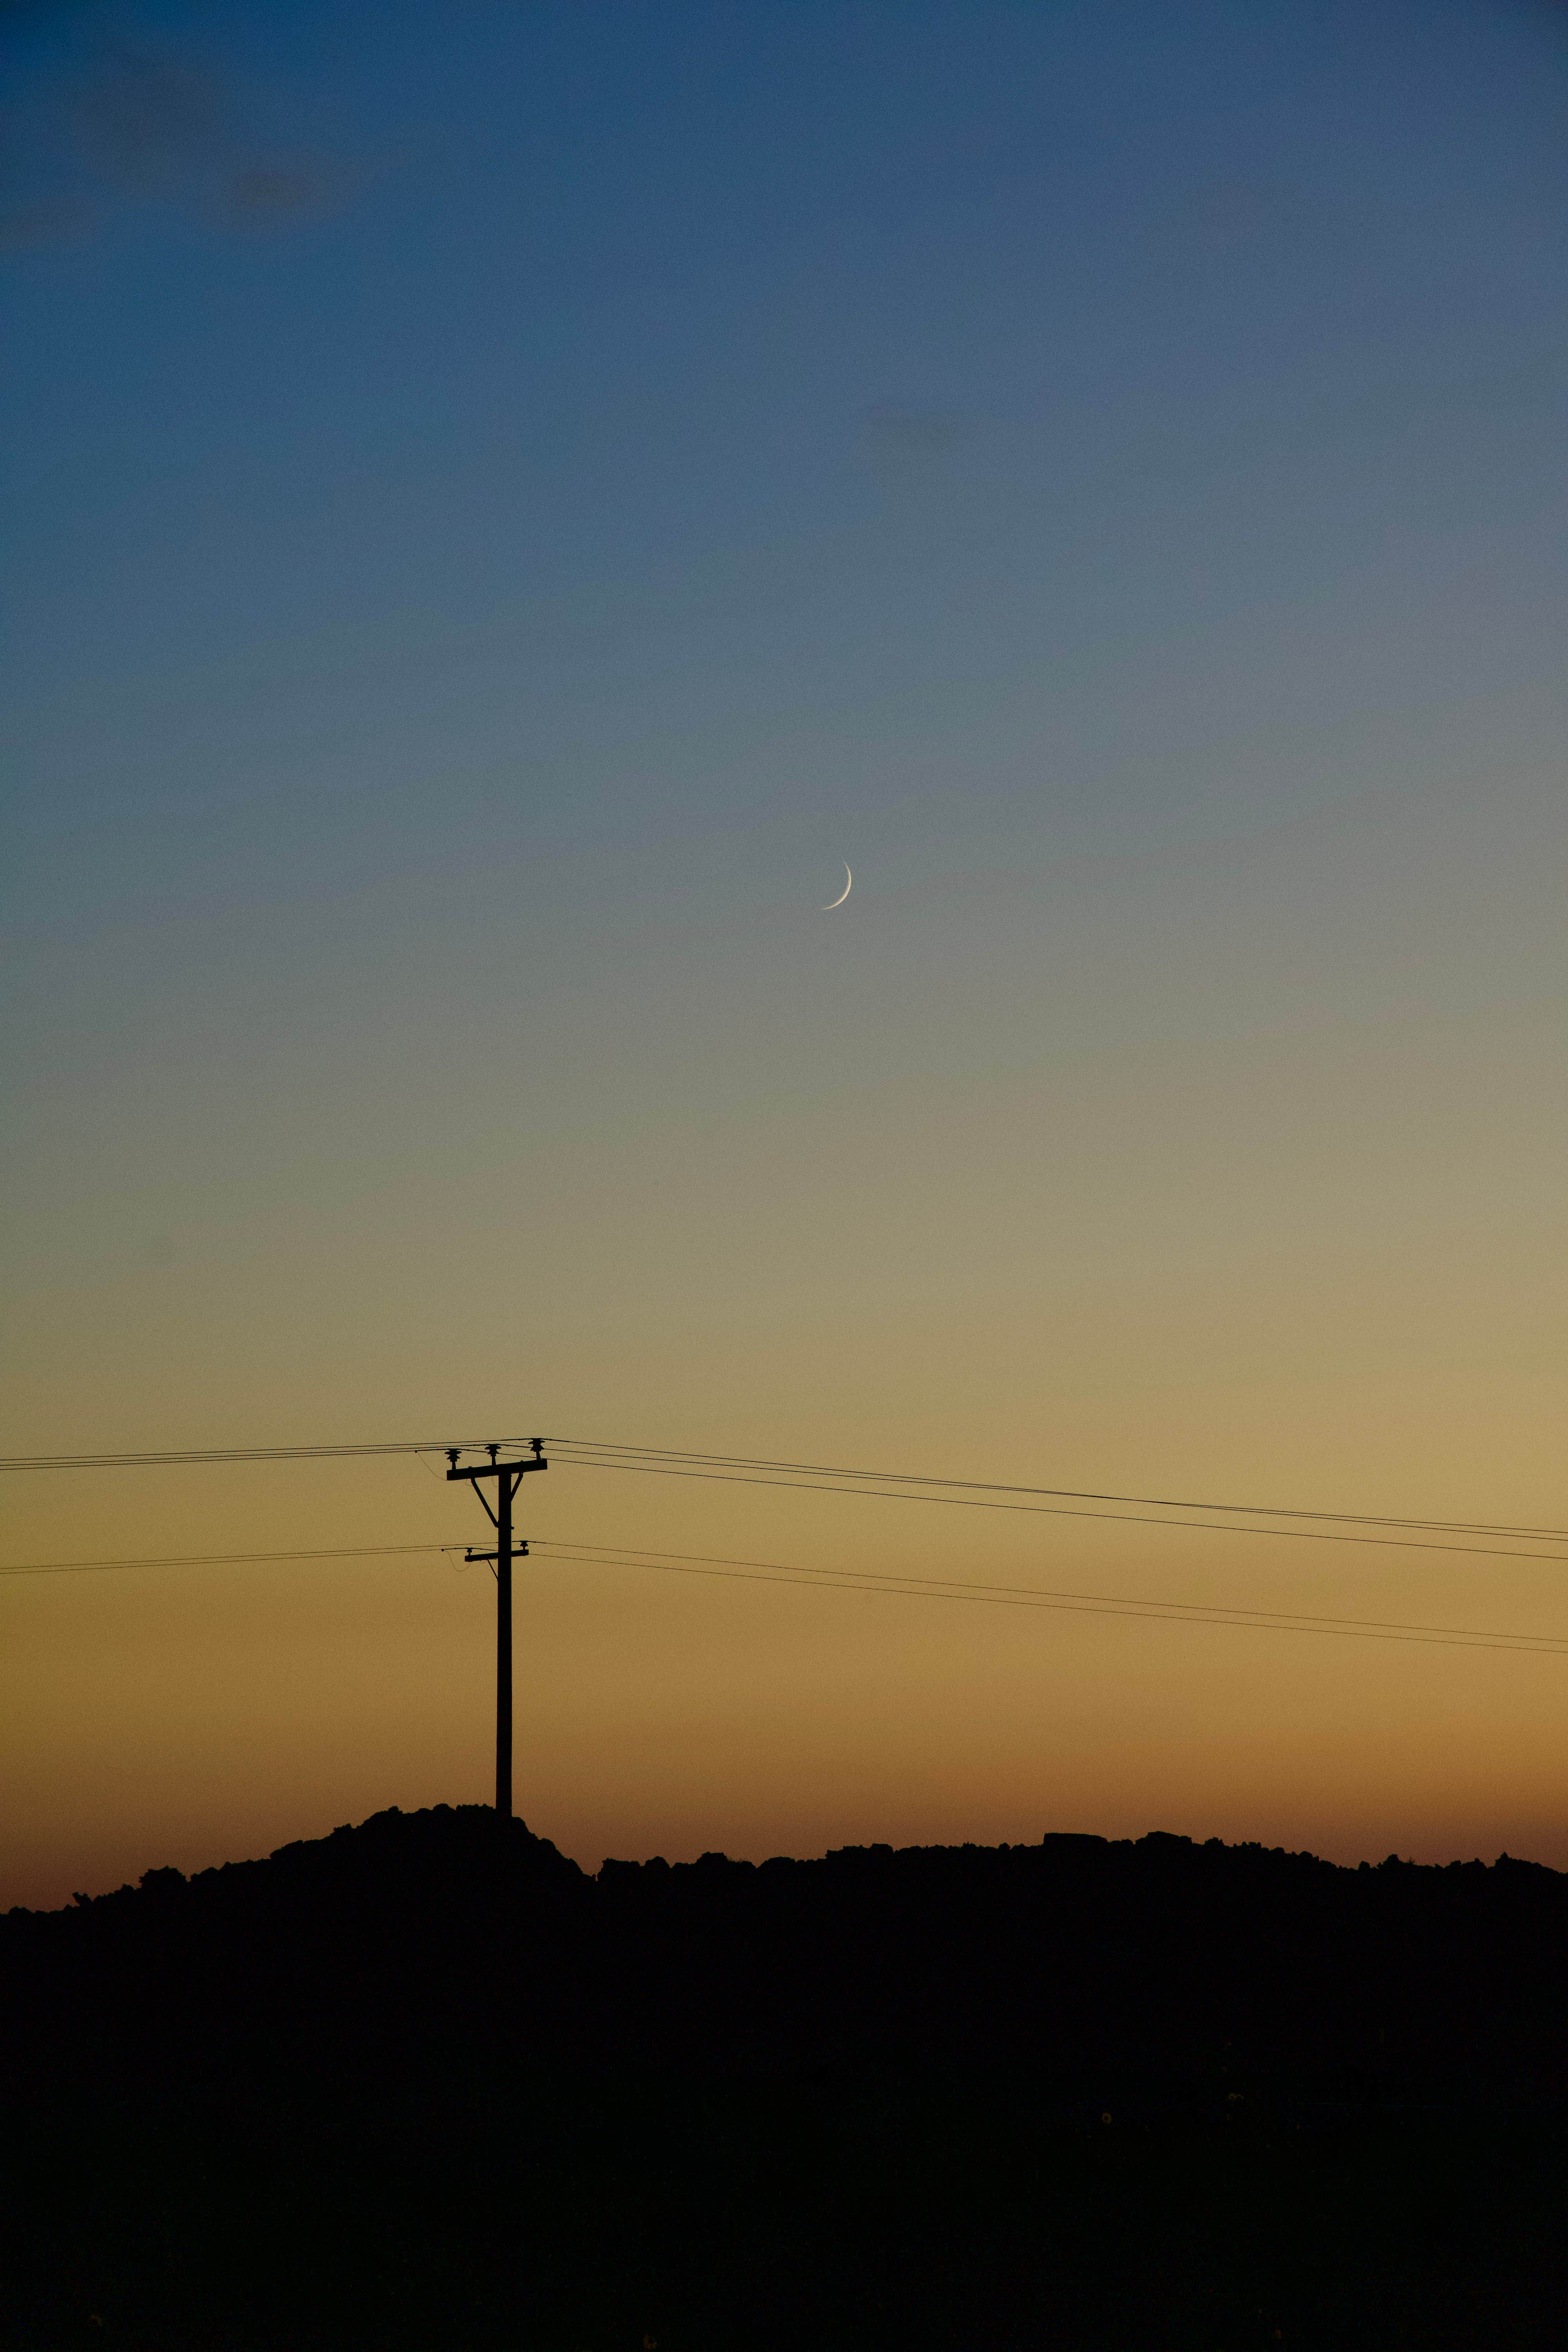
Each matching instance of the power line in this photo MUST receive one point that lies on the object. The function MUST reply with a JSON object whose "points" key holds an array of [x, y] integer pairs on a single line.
{"points": [[906, 1586], [590, 1449], [1241, 1518], [1161, 1613], [221, 1454], [889, 1493], [221, 1559], [1062, 1494]]}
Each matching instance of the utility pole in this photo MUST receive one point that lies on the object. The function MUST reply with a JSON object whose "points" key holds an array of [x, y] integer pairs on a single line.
{"points": [[509, 1477]]}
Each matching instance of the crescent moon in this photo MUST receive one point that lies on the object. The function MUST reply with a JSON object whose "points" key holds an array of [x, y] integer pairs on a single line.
{"points": [[848, 886]]}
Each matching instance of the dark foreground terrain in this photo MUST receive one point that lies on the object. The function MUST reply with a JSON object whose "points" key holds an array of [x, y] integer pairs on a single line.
{"points": [[423, 2082]]}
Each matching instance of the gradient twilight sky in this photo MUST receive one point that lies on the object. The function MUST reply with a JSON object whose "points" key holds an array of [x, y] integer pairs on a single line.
{"points": [[501, 501]]}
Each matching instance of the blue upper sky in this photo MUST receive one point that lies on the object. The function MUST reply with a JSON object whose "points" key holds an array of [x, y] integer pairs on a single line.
{"points": [[500, 500], [502, 389]]}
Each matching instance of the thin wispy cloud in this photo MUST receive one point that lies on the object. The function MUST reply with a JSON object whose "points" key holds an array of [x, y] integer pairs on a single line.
{"points": [[44, 220], [909, 450], [903, 436], [151, 128]]}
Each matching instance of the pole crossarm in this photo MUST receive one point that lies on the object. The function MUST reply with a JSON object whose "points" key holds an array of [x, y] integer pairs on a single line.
{"points": [[494, 1469]]}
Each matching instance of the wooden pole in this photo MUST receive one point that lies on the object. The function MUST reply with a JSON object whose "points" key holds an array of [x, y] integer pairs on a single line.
{"points": [[509, 1477], [506, 1488]]}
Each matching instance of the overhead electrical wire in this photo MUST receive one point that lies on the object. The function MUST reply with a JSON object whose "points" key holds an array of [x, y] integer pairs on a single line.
{"points": [[908, 1586], [1061, 1494], [1164, 1613], [219, 1558], [1392, 1533], [222, 1453], [888, 1494]]}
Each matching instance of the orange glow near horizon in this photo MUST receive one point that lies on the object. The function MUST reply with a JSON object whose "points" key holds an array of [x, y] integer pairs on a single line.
{"points": [[200, 1714]]}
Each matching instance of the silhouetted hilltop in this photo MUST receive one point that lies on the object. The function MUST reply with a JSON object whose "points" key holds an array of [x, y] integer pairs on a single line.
{"points": [[425, 2083], [1157, 1960]]}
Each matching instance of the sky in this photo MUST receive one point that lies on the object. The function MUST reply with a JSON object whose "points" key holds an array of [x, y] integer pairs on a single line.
{"points": [[503, 504]]}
